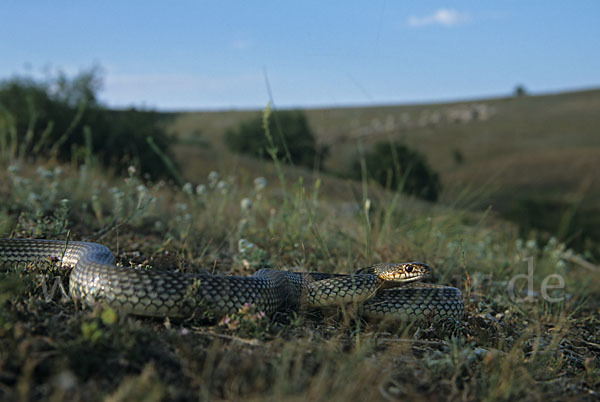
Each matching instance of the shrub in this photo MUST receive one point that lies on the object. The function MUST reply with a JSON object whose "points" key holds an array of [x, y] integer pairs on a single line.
{"points": [[459, 157], [577, 226], [51, 118], [520, 91], [298, 138], [395, 166]]}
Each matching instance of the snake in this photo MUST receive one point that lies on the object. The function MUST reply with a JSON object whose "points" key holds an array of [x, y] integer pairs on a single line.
{"points": [[381, 291]]}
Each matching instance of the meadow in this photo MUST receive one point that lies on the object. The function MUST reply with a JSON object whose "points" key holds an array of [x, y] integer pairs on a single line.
{"points": [[237, 214], [530, 159]]}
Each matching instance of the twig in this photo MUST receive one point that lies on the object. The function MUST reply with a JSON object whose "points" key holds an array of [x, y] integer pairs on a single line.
{"points": [[251, 342], [411, 341], [581, 262]]}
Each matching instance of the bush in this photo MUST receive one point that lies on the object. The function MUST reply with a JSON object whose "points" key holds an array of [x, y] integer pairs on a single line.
{"points": [[458, 156], [298, 138], [395, 166], [51, 117], [520, 91], [576, 226]]}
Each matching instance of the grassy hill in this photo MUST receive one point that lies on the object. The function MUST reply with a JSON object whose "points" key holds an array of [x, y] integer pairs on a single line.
{"points": [[535, 340], [519, 155]]}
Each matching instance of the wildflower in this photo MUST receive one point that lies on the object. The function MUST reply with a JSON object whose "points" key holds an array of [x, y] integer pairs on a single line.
{"points": [[246, 204], [181, 207], [45, 173], [115, 192], [230, 323], [223, 186], [200, 189], [142, 190], [14, 168], [260, 183], [65, 381], [131, 170], [213, 178], [245, 246], [245, 309], [188, 189]]}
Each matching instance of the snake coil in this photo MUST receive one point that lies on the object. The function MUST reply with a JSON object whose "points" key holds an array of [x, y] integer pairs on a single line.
{"points": [[95, 278]]}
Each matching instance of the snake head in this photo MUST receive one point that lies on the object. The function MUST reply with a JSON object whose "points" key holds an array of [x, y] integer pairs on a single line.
{"points": [[394, 273]]}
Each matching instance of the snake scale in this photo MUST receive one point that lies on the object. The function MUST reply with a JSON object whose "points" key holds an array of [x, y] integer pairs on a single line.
{"points": [[387, 290]]}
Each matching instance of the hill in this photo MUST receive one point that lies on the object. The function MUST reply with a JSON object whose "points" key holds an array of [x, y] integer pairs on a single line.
{"points": [[531, 158], [526, 334]]}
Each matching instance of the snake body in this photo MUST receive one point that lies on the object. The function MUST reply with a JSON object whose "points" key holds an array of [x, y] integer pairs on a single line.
{"points": [[95, 278]]}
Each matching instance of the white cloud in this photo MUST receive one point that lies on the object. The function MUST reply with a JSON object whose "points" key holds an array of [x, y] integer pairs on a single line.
{"points": [[444, 16]]}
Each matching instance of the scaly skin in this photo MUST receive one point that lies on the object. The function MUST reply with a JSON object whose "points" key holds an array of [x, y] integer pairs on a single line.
{"points": [[95, 278]]}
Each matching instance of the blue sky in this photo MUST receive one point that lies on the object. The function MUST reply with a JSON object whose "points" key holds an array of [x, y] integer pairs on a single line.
{"points": [[198, 55]]}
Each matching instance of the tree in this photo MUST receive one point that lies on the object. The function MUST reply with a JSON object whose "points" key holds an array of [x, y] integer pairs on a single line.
{"points": [[520, 91], [52, 117], [291, 133], [395, 166]]}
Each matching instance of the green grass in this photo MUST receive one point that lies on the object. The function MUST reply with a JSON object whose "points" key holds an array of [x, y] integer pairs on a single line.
{"points": [[532, 132], [503, 350], [541, 149], [228, 223]]}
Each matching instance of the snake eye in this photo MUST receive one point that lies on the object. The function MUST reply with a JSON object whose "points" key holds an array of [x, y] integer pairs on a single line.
{"points": [[409, 268]]}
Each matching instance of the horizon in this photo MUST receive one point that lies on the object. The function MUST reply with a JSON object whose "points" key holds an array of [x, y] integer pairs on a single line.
{"points": [[438, 102], [205, 56]]}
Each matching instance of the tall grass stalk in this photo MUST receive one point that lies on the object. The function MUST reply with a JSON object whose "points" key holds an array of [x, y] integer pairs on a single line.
{"points": [[65, 136], [37, 147], [272, 148], [89, 146], [312, 209], [276, 120], [9, 140], [3, 138], [30, 128], [366, 203], [167, 161], [272, 151]]}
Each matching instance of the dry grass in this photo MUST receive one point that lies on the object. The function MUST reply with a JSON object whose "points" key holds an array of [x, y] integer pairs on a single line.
{"points": [[503, 350], [533, 150], [552, 137]]}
